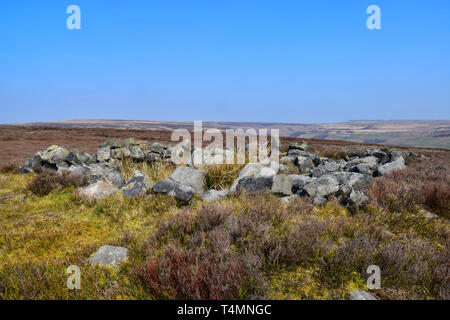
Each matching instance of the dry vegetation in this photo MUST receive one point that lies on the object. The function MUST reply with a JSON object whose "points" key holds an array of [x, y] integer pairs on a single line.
{"points": [[242, 247]]}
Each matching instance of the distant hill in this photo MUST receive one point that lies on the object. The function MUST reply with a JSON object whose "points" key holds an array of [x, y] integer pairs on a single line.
{"points": [[417, 133]]}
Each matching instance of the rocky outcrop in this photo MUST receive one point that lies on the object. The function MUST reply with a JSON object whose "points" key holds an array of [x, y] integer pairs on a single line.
{"points": [[320, 178], [361, 295]]}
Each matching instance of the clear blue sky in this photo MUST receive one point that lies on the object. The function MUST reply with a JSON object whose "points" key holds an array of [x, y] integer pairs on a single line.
{"points": [[282, 61]]}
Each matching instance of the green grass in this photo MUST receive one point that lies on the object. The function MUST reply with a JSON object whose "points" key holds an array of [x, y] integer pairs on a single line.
{"points": [[298, 251]]}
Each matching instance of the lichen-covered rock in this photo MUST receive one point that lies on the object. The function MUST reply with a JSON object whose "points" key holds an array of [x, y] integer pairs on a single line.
{"points": [[137, 185], [324, 186], [325, 168], [254, 184], [103, 154], [304, 164], [109, 256], [398, 164], [99, 190], [192, 177], [183, 193], [54, 154], [256, 169]]}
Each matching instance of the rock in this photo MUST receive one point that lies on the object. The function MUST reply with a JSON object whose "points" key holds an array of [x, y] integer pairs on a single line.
{"points": [[299, 181], [282, 185], [327, 167], [361, 295], [427, 214], [357, 199], [304, 164], [99, 190], [76, 157], [114, 176], [324, 186], [179, 191], [109, 256], [212, 195], [255, 184], [398, 164], [361, 168], [256, 169], [103, 154], [136, 153], [120, 153], [191, 177], [287, 159], [370, 161], [354, 180], [137, 185], [54, 154], [383, 156]]}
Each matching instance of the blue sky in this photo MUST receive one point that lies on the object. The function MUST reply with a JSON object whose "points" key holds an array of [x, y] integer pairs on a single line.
{"points": [[271, 61]]}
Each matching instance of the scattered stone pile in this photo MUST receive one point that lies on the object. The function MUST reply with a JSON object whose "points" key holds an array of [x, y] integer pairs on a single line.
{"points": [[319, 177]]}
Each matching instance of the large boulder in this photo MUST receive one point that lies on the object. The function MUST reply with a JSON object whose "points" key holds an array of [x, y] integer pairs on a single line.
{"points": [[137, 185], [194, 178], [322, 188], [120, 153], [370, 161], [109, 256], [304, 164], [103, 154], [77, 157], [302, 146], [99, 190], [181, 192], [398, 164], [54, 154], [299, 181], [104, 172], [254, 184], [136, 153], [264, 168]]}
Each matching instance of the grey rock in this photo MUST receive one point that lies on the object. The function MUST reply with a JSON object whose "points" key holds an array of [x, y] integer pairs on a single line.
{"points": [[256, 169], [304, 164], [109, 256], [137, 185], [398, 164], [324, 186], [212, 195], [302, 146], [282, 185], [361, 295], [255, 184], [357, 199], [120, 153], [99, 190], [136, 153], [179, 191], [194, 178], [355, 153], [287, 159], [54, 154], [327, 167], [361, 168], [25, 170], [103, 154], [299, 181]]}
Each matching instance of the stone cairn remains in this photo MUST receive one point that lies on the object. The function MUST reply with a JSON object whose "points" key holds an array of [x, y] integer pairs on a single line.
{"points": [[320, 178]]}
